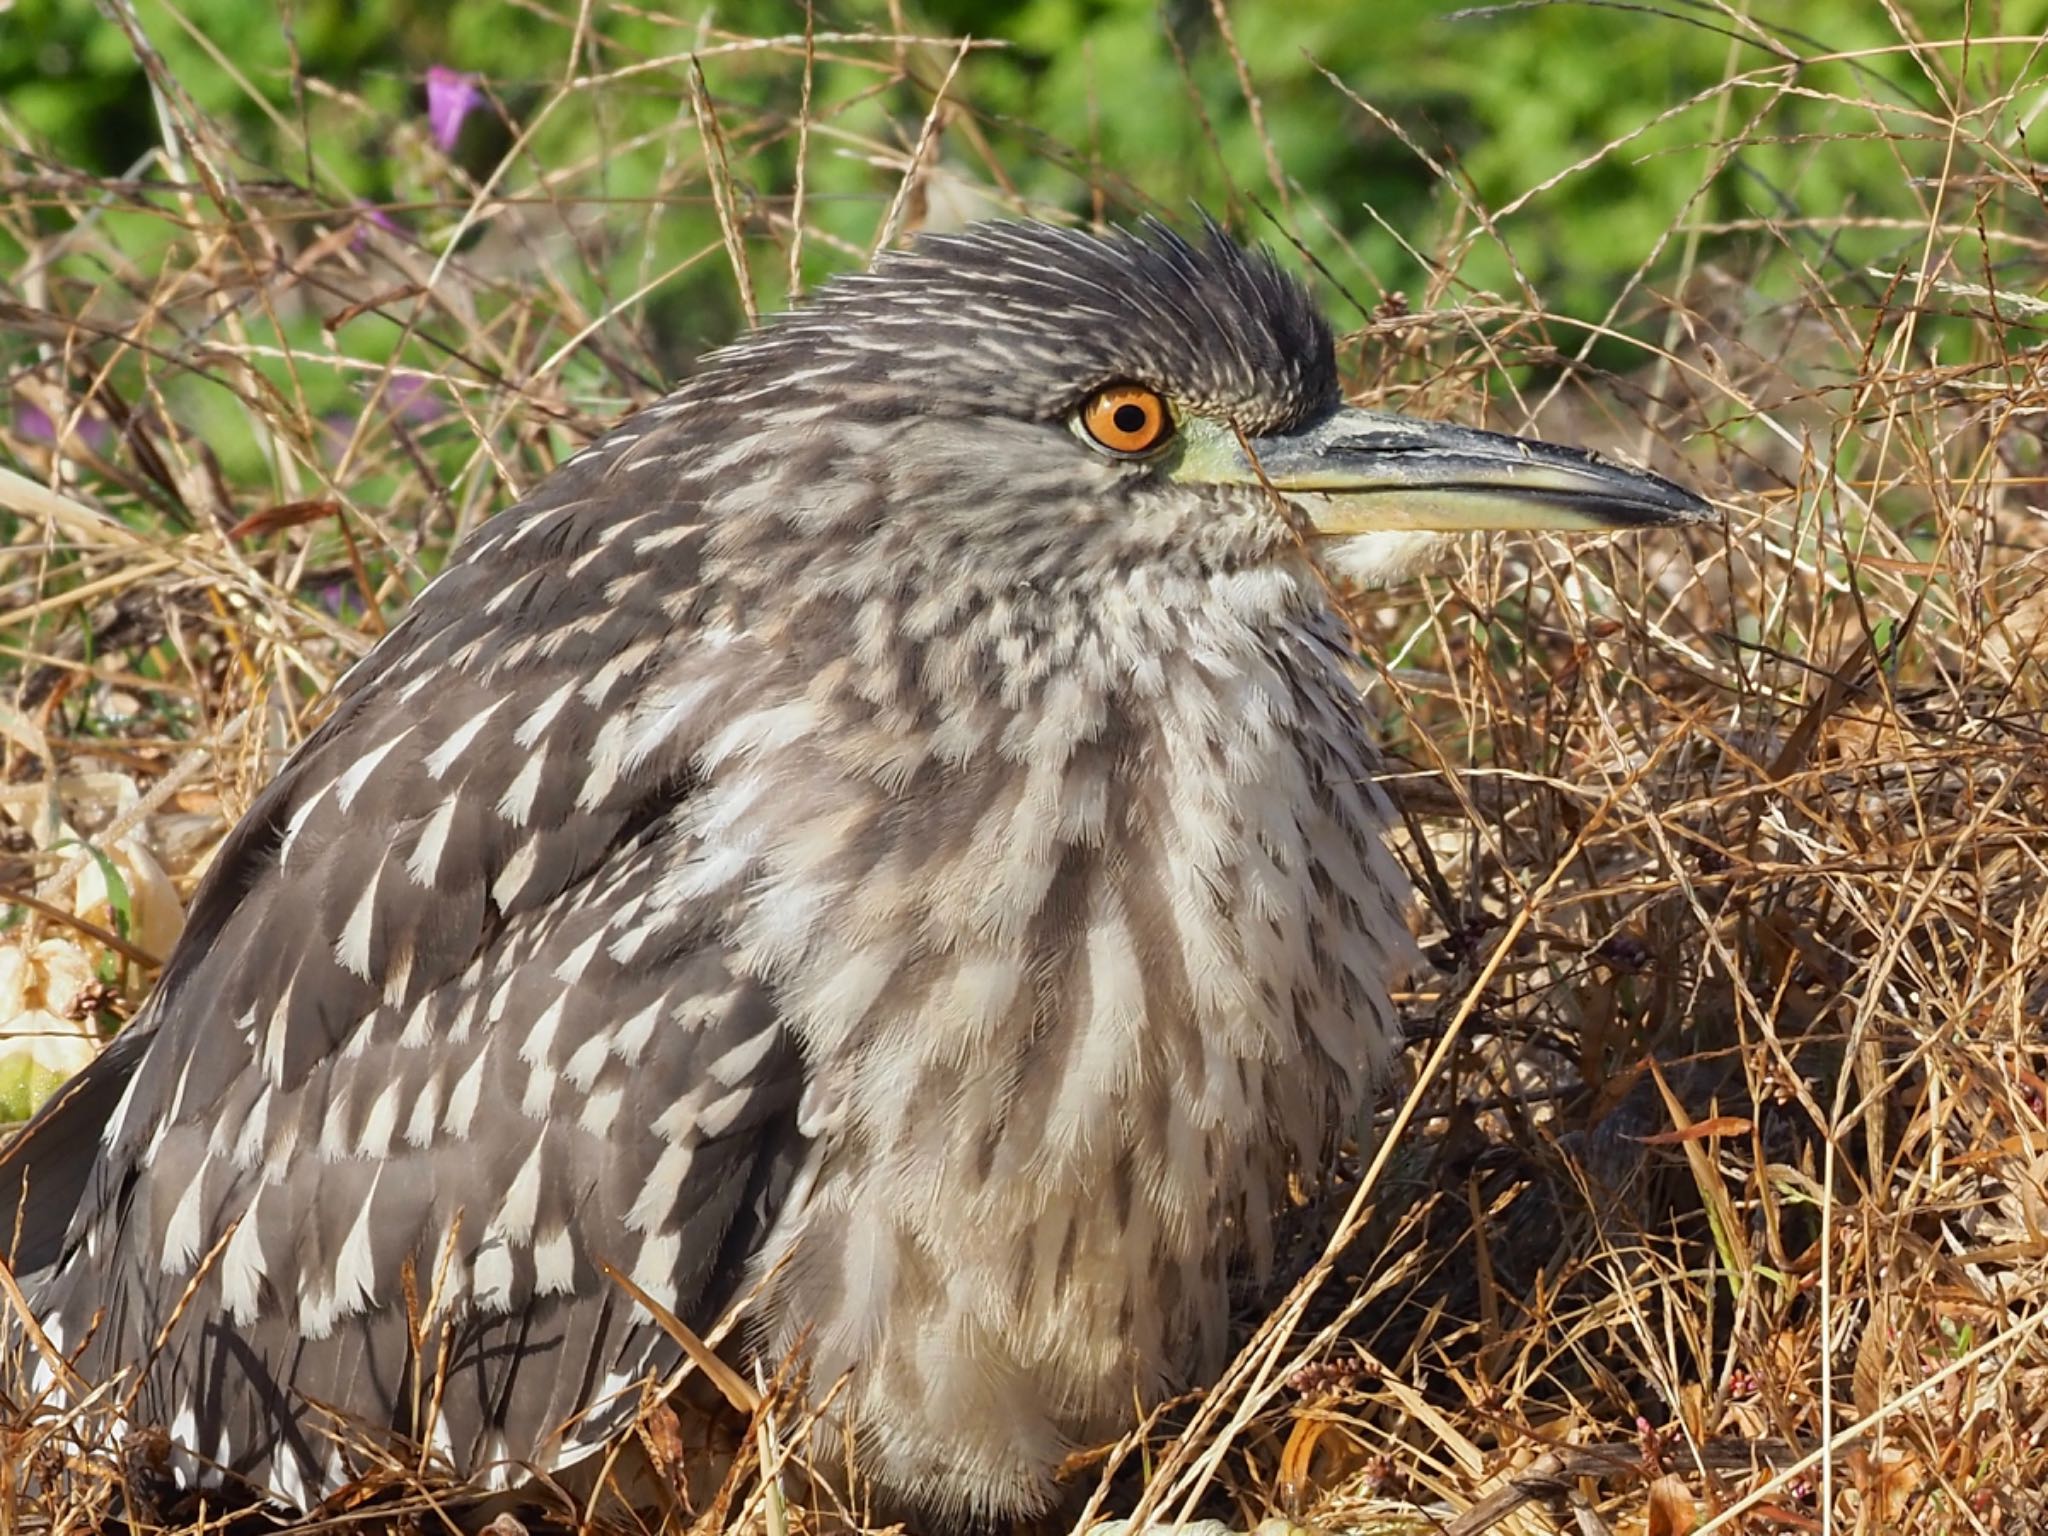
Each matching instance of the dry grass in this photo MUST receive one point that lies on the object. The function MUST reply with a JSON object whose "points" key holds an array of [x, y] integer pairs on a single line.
{"points": [[1718, 1199]]}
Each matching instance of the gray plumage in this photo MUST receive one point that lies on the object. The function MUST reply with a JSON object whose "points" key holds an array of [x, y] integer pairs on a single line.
{"points": [[845, 826]]}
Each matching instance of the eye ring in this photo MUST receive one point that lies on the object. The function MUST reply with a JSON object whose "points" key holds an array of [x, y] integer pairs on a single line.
{"points": [[1127, 421]]}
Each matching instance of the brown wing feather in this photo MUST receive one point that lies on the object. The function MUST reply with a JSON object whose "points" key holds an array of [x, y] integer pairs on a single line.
{"points": [[427, 1018]]}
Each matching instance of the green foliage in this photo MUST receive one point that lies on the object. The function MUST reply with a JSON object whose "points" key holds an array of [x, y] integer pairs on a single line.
{"points": [[1393, 124], [1118, 89]]}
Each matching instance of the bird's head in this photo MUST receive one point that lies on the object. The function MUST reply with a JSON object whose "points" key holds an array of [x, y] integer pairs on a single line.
{"points": [[1027, 408]]}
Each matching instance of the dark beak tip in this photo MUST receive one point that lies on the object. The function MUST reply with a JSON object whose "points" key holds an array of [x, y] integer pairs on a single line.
{"points": [[1689, 507], [1659, 502], [1679, 508]]}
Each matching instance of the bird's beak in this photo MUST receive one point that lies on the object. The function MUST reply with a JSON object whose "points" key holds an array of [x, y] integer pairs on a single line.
{"points": [[1358, 472]]}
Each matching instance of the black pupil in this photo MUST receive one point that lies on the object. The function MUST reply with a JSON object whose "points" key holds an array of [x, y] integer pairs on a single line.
{"points": [[1130, 419]]}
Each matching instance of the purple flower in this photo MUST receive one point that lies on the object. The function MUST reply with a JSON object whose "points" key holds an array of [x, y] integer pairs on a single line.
{"points": [[366, 215], [32, 424], [451, 96], [412, 396]]}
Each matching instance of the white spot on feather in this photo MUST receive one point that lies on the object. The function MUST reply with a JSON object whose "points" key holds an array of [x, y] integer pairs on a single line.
{"points": [[573, 965], [241, 1270], [289, 1479], [513, 877], [397, 978], [443, 757], [599, 1111], [351, 783], [719, 1116], [607, 759], [181, 1233], [492, 1278], [738, 1064], [316, 1313], [352, 949], [275, 1035], [425, 861], [657, 1201], [554, 1264], [609, 676], [298, 821], [582, 1067], [379, 1124], [419, 1128], [543, 715], [632, 1037], [249, 1140], [514, 1221], [516, 804], [534, 1049], [355, 1269], [333, 1120], [462, 1101], [668, 538], [654, 1271]]}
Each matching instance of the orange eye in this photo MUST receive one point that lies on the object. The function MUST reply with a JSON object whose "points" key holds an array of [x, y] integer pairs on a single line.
{"points": [[1126, 419]]}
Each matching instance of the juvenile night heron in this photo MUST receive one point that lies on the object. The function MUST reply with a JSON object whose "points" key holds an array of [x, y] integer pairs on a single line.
{"points": [[887, 829]]}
